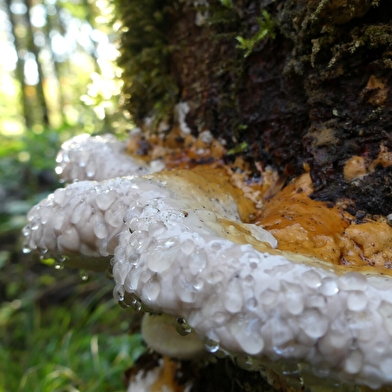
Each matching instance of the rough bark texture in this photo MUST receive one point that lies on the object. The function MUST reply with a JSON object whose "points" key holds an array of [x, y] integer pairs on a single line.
{"points": [[312, 93]]}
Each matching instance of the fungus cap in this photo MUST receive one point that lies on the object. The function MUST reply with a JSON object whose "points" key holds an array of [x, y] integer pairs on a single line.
{"points": [[86, 157], [184, 253]]}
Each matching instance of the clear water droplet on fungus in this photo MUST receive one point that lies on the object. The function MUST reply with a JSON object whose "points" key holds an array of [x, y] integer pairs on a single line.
{"points": [[211, 345], [182, 327], [26, 250]]}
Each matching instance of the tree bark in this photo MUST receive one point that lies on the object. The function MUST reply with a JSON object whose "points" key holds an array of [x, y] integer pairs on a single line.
{"points": [[311, 95], [32, 47]]}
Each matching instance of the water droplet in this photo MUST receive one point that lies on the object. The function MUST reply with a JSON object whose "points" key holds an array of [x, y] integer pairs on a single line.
{"points": [[244, 362], [215, 277], [353, 362], [329, 287], [156, 228], [249, 280], [356, 301], [151, 289], [43, 250], [188, 246], [26, 250], [83, 157], [221, 353], [34, 224], [220, 318], [182, 327], [233, 296], [59, 196], [106, 199], [127, 299], [83, 275], [216, 246], [252, 259], [198, 284], [311, 279], [269, 297], [149, 210], [139, 240], [197, 262], [123, 304], [99, 226], [114, 215], [290, 369], [352, 281], [58, 266], [77, 213], [26, 231], [313, 323], [251, 303], [90, 168], [247, 334], [137, 306], [211, 345], [63, 258]]}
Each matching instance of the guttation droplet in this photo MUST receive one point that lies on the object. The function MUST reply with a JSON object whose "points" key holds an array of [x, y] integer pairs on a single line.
{"points": [[182, 327], [122, 303], [26, 250], [83, 275], [211, 345], [129, 300], [58, 266]]}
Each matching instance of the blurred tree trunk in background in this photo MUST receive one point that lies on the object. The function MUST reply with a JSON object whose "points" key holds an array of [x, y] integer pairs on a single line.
{"points": [[53, 23], [33, 48], [61, 58], [27, 115], [306, 84]]}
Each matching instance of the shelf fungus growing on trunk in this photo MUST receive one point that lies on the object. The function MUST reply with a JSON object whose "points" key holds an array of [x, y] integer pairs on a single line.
{"points": [[180, 243]]}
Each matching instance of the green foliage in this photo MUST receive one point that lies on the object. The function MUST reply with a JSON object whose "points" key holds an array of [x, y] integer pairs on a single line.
{"points": [[81, 345], [266, 28], [239, 148], [227, 3], [149, 88], [23, 160]]}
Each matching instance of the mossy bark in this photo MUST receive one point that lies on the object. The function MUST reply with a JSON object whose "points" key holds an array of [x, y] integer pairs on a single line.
{"points": [[312, 93], [309, 95]]}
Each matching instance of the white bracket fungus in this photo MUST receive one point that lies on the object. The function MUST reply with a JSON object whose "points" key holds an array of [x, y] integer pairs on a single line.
{"points": [[86, 157], [173, 254], [176, 251]]}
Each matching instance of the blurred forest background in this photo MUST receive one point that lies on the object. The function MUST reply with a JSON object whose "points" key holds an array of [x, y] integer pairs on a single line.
{"points": [[59, 329]]}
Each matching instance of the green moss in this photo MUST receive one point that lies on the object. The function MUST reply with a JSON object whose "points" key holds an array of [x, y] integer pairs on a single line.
{"points": [[149, 89], [266, 28], [227, 3], [147, 48]]}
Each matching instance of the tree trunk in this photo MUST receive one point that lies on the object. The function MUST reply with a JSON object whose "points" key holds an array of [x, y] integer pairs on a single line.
{"points": [[20, 68], [305, 83], [32, 47]]}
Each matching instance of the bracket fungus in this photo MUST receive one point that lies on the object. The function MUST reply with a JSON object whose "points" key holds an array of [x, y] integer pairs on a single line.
{"points": [[178, 246], [96, 158]]}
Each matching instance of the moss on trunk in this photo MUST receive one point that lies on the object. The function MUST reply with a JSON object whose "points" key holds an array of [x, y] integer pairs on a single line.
{"points": [[311, 92]]}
